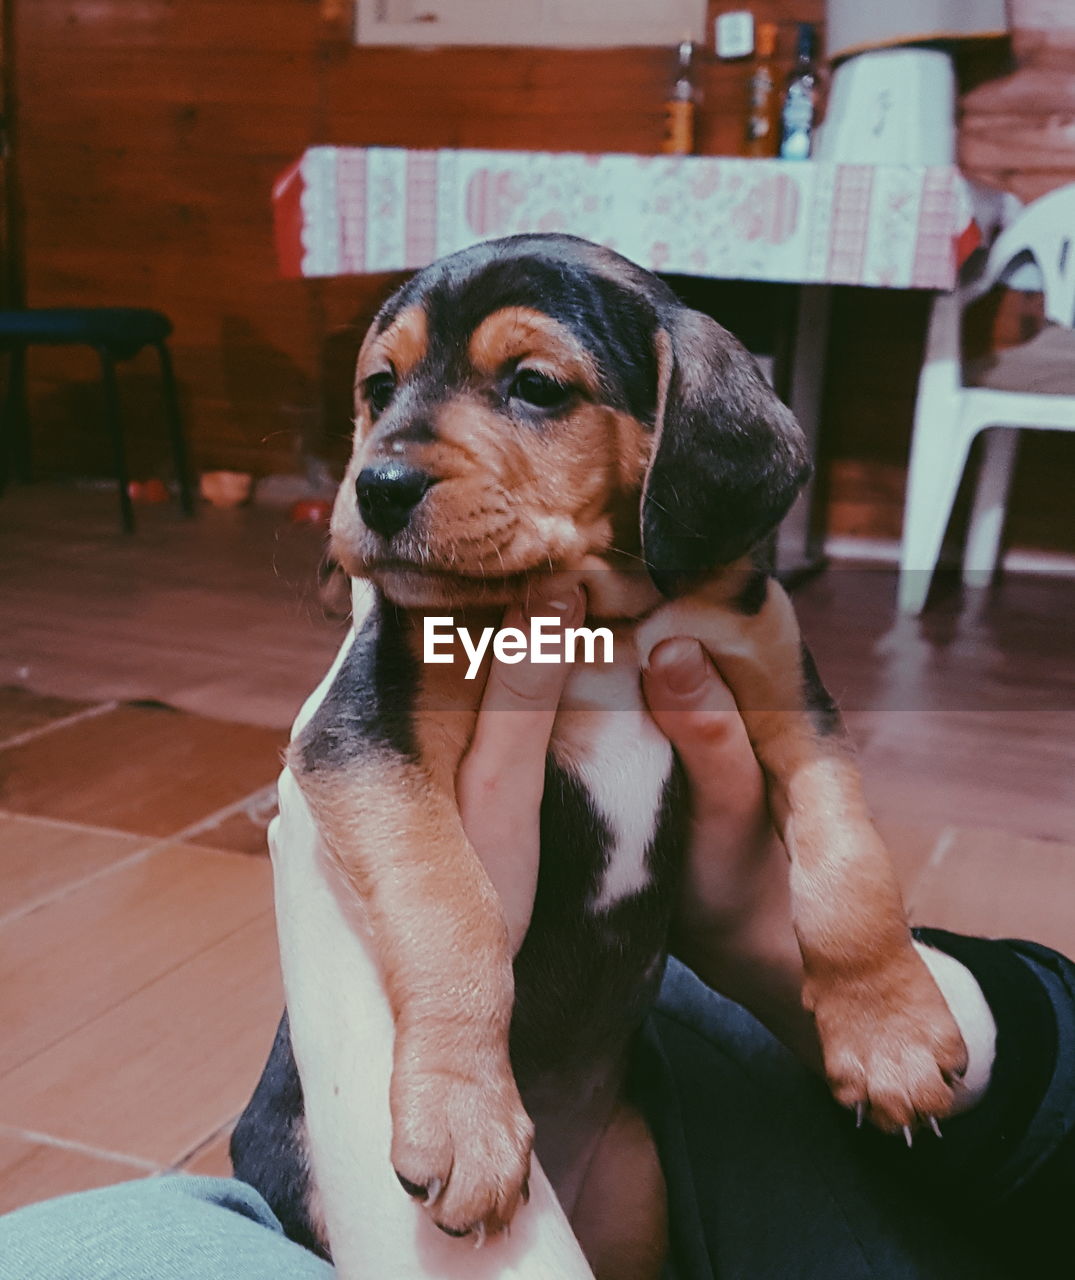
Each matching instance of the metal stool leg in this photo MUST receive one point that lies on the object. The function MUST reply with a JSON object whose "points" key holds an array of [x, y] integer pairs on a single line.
{"points": [[115, 429], [175, 428]]}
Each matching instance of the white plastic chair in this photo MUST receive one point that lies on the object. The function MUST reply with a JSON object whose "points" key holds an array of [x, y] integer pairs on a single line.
{"points": [[1030, 386]]}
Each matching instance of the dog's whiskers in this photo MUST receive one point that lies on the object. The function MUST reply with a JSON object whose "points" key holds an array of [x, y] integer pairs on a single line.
{"points": [[629, 555]]}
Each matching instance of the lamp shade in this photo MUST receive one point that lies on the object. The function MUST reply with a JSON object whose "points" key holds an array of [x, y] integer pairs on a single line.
{"points": [[854, 26]]}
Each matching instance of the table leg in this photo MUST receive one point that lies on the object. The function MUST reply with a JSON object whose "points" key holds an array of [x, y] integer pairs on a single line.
{"points": [[799, 378]]}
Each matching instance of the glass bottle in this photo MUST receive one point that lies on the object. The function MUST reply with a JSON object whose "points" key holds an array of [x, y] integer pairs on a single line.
{"points": [[679, 108], [801, 99], [762, 134]]}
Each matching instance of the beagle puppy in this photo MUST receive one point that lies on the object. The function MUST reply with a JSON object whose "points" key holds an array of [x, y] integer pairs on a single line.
{"points": [[532, 406]]}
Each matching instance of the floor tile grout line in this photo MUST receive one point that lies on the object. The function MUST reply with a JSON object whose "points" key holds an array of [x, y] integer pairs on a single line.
{"points": [[250, 802], [138, 855], [176, 1166], [80, 828], [64, 722], [82, 1148]]}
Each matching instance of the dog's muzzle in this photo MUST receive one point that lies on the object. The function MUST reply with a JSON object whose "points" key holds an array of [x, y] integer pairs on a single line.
{"points": [[388, 494]]}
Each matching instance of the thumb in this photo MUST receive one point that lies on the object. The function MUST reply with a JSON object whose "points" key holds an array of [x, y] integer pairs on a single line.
{"points": [[695, 710]]}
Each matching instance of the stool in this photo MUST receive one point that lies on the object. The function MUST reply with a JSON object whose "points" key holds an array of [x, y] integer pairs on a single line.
{"points": [[115, 333]]}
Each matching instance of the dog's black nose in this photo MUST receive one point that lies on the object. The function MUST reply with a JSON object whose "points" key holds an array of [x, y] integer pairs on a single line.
{"points": [[388, 493]]}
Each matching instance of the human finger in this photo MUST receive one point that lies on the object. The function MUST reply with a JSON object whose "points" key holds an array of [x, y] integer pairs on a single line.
{"points": [[501, 778]]}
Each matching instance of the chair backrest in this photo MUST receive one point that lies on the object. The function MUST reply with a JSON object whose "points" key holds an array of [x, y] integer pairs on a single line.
{"points": [[1045, 232]]}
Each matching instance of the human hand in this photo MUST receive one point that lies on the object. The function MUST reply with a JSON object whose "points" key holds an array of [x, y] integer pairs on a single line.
{"points": [[733, 923], [501, 778], [733, 926]]}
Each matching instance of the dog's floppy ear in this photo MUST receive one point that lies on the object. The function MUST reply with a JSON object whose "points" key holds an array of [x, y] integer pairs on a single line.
{"points": [[728, 457]]}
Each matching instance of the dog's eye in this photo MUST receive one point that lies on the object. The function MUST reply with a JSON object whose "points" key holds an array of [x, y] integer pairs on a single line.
{"points": [[538, 389], [379, 389]]}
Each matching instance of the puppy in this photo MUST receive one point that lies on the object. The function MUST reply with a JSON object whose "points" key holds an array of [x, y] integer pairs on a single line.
{"points": [[540, 406]]}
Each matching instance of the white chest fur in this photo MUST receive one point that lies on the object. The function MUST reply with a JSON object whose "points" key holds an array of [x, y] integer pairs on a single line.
{"points": [[604, 736]]}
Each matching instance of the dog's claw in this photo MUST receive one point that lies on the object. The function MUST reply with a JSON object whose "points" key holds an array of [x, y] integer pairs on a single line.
{"points": [[524, 1194], [934, 1124], [860, 1114], [427, 1195], [908, 1136], [479, 1235], [421, 1194]]}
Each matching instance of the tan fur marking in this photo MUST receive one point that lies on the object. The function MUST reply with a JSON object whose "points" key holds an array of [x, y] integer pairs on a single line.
{"points": [[526, 335], [401, 347]]}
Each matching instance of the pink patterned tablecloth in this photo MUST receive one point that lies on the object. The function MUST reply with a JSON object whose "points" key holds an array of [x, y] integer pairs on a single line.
{"points": [[351, 210]]}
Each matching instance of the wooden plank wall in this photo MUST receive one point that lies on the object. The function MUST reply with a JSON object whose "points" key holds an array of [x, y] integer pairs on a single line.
{"points": [[151, 131]]}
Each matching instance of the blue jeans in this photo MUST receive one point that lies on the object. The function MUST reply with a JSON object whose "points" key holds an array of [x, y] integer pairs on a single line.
{"points": [[167, 1228], [768, 1179]]}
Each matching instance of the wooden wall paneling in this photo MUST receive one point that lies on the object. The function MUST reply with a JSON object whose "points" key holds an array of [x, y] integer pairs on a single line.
{"points": [[280, 26], [12, 266], [149, 182]]}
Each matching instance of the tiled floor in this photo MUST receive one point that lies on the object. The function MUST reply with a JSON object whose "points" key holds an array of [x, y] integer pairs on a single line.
{"points": [[138, 976]]}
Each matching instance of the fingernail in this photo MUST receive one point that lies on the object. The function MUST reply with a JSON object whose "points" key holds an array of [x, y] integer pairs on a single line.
{"points": [[680, 665], [561, 601]]}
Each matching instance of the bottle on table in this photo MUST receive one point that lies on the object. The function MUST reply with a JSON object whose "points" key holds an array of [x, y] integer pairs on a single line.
{"points": [[679, 107], [762, 134], [798, 117]]}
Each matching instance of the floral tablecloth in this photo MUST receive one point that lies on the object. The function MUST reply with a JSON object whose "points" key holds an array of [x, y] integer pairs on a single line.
{"points": [[352, 210]]}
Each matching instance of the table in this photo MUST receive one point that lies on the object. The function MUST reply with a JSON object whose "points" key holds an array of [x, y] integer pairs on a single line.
{"points": [[358, 210], [354, 210]]}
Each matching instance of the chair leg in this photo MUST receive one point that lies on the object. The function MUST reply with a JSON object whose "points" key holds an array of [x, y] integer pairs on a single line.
{"points": [[15, 457], [6, 430], [937, 460], [990, 502], [175, 429], [115, 430]]}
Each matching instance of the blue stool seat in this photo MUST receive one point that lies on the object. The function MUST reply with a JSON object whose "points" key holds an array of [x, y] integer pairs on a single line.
{"points": [[114, 327], [116, 333]]}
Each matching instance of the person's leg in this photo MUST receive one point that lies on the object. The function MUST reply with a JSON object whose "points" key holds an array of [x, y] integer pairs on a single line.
{"points": [[167, 1228], [768, 1179]]}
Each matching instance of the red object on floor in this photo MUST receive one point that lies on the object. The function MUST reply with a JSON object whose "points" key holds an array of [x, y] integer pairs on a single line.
{"points": [[148, 491], [311, 511]]}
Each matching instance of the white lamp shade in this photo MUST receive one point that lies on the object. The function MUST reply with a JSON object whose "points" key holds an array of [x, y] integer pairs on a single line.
{"points": [[891, 106], [854, 26]]}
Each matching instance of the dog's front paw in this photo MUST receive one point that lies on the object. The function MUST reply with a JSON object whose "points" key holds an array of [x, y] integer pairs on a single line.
{"points": [[461, 1145], [891, 1046]]}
